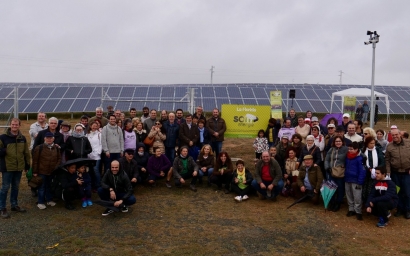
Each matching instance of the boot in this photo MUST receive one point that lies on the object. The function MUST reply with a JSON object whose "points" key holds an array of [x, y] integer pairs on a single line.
{"points": [[336, 207]]}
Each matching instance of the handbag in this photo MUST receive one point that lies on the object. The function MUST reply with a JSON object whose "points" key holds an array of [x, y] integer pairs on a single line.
{"points": [[29, 174], [35, 182], [149, 141], [337, 171]]}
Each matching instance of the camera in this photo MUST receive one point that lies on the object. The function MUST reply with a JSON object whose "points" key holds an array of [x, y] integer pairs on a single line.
{"points": [[367, 43]]}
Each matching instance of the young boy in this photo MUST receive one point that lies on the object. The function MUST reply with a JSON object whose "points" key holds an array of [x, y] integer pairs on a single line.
{"points": [[382, 198]]}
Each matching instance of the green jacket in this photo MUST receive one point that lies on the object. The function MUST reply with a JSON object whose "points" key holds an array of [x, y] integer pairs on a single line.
{"points": [[14, 153], [315, 177]]}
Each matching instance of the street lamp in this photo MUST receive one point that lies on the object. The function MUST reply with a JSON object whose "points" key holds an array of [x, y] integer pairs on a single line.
{"points": [[374, 39]]}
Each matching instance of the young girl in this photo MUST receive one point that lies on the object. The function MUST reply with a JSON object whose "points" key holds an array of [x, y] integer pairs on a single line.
{"points": [[84, 185], [241, 181], [260, 144]]}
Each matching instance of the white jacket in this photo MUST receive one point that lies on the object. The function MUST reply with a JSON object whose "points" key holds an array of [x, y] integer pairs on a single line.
{"points": [[95, 141]]}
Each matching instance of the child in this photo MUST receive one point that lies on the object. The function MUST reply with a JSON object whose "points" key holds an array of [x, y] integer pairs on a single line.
{"points": [[241, 181], [260, 144], [84, 185], [382, 198]]}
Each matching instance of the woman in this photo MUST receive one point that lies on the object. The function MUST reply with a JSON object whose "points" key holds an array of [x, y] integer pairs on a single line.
{"points": [[120, 123], [135, 121], [297, 144], [374, 159], [94, 137], [159, 134], [140, 132], [65, 130], [223, 170], [77, 145], [142, 159], [332, 120], [204, 135], [381, 140], [241, 181], [309, 114], [99, 124], [311, 149], [184, 167], [336, 159], [260, 144], [272, 131], [205, 163], [158, 167], [303, 129], [130, 137], [319, 138], [354, 179], [291, 168]]}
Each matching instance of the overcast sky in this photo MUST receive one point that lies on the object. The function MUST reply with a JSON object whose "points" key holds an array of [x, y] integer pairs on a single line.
{"points": [[167, 42]]}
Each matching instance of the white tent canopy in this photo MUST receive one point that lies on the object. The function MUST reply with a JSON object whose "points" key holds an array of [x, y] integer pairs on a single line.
{"points": [[361, 92]]}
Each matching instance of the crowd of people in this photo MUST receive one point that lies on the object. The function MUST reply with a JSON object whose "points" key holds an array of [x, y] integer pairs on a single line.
{"points": [[112, 154]]}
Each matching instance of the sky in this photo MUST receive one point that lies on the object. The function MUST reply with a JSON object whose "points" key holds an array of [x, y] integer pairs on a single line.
{"points": [[174, 42]]}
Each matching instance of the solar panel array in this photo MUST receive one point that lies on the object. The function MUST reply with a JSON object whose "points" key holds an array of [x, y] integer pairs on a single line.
{"points": [[64, 97]]}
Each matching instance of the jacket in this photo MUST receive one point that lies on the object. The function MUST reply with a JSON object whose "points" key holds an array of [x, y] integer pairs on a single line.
{"points": [[354, 170], [96, 146], [248, 177], [314, 151], [171, 134], [186, 135], [34, 130], [177, 167], [339, 157], [14, 153], [46, 159], [120, 183], [157, 164], [383, 191], [103, 120], [274, 170], [112, 140], [216, 125], [141, 160], [260, 144], [80, 146], [86, 180], [206, 135], [271, 132], [159, 139], [130, 168], [208, 162], [398, 156], [58, 139], [315, 177]]}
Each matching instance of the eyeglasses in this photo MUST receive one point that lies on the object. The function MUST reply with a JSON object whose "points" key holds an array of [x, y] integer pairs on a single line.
{"points": [[365, 133], [330, 128], [157, 123], [338, 141]]}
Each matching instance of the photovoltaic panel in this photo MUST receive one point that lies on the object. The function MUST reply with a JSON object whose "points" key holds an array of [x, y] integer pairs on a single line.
{"points": [[64, 105], [123, 106], [50, 105], [127, 92], [79, 105], [168, 92], [208, 92], [44, 93], [58, 92], [30, 93], [35, 106], [221, 92], [72, 92], [154, 93], [114, 91], [6, 105], [140, 92], [181, 91], [86, 92], [93, 104], [5, 92]]}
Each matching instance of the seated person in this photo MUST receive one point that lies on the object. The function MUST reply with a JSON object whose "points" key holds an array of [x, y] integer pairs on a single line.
{"points": [[142, 156], [309, 180], [222, 173], [382, 198], [185, 168], [158, 167], [205, 163], [129, 166], [116, 186], [268, 180], [241, 181]]}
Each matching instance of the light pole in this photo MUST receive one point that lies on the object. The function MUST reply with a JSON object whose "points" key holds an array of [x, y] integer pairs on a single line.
{"points": [[374, 39]]}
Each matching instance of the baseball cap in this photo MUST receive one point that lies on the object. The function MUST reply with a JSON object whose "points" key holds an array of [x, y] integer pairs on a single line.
{"points": [[340, 128], [307, 120], [49, 134], [315, 119], [393, 127], [331, 126], [308, 157], [346, 115], [285, 137]]}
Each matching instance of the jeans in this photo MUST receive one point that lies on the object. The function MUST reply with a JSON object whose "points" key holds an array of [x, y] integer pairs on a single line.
{"points": [[170, 153], [340, 191], [241, 192], [381, 209], [97, 174], [185, 177], [216, 147], [403, 181], [207, 173], [275, 191], [44, 191], [364, 120], [108, 160], [104, 194], [10, 179]]}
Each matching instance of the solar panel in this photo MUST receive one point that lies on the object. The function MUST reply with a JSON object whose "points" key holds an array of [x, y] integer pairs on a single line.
{"points": [[72, 92], [50, 105], [58, 92], [5, 92], [64, 105], [79, 105], [154, 93], [140, 92]]}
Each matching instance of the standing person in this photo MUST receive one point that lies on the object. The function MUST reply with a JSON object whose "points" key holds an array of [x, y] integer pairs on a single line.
{"points": [[84, 122], [112, 142], [164, 116], [241, 181], [94, 137], [150, 122], [204, 135], [52, 127], [206, 161], [272, 131], [130, 166], [38, 126], [78, 146], [355, 176], [133, 113], [346, 121], [287, 130], [359, 127], [352, 135], [303, 127], [116, 186], [223, 170], [46, 158], [179, 116], [14, 158], [140, 132], [331, 132], [322, 128], [398, 166], [99, 116], [296, 144], [172, 133], [381, 140], [199, 113], [117, 114], [145, 114], [130, 137], [184, 167], [359, 113], [376, 113], [159, 134], [366, 110], [268, 177], [281, 150], [217, 127], [260, 144], [189, 135], [110, 111], [293, 118], [65, 130]]}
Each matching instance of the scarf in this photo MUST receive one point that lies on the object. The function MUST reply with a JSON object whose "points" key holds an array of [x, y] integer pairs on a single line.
{"points": [[140, 132], [371, 153], [77, 135], [351, 155], [201, 134], [241, 177], [65, 134]]}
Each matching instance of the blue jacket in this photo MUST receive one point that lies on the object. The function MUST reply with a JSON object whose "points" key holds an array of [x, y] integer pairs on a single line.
{"points": [[383, 191], [172, 133], [354, 170]]}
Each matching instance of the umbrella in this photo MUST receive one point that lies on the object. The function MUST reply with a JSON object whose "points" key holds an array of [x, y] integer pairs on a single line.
{"points": [[299, 200], [86, 161], [327, 190], [108, 204]]}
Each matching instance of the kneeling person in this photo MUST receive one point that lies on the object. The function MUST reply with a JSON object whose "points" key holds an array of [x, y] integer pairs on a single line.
{"points": [[309, 180], [185, 168]]}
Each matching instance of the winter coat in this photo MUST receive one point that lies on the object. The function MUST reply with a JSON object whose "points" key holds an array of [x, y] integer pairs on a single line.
{"points": [[95, 141], [339, 157], [159, 139], [274, 170], [14, 153], [186, 135], [383, 191], [46, 159], [314, 151], [178, 167], [315, 177], [354, 170], [172, 133], [398, 156], [58, 139], [130, 168], [208, 162], [157, 164], [80, 146], [216, 125]]}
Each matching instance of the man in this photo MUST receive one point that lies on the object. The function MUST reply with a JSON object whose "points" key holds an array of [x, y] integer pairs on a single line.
{"points": [[133, 113], [366, 110], [188, 133], [179, 116], [340, 131], [110, 111], [99, 116], [145, 114], [309, 180], [287, 129], [14, 158], [84, 122], [359, 127], [315, 122], [116, 186], [184, 168], [58, 137], [112, 142], [149, 122], [164, 115], [117, 114], [398, 166], [331, 130], [38, 126], [359, 112], [268, 177], [346, 121], [129, 166], [172, 133], [352, 135], [282, 149], [293, 118], [199, 113], [217, 128]]}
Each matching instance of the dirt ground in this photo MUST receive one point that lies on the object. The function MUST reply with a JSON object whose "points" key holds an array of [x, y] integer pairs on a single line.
{"points": [[178, 221]]}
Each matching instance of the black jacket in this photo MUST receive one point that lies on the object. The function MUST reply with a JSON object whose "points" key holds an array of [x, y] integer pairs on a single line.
{"points": [[58, 139], [314, 151], [120, 183], [130, 168], [81, 147]]}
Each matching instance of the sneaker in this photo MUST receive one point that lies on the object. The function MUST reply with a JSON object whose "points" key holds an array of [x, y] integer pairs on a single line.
{"points": [[18, 209], [4, 214], [269, 193], [124, 209], [168, 184], [41, 206], [107, 212], [388, 214], [359, 216], [350, 213], [192, 187], [238, 198], [381, 223], [89, 202], [245, 197], [51, 203], [84, 204]]}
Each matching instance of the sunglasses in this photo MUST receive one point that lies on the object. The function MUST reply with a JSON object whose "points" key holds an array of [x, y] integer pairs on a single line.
{"points": [[365, 133]]}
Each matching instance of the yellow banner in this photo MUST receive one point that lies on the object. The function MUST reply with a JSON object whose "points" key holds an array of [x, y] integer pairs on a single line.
{"points": [[244, 121], [349, 106], [276, 104]]}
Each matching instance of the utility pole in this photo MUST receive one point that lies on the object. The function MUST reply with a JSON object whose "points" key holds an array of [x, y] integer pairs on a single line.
{"points": [[340, 81], [212, 74]]}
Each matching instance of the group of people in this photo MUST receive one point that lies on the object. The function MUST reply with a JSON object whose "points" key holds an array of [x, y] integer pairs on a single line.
{"points": [[111, 154]]}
